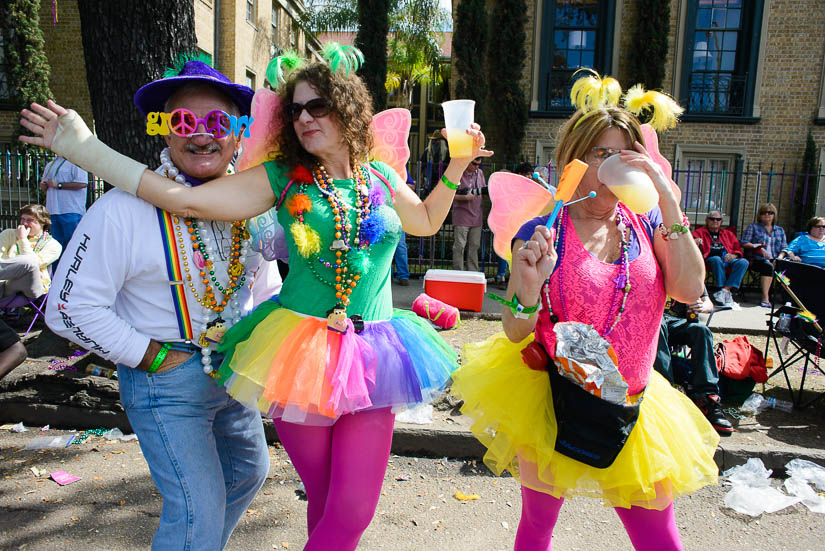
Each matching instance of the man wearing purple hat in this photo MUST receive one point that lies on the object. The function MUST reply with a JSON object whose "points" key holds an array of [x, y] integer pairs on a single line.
{"points": [[153, 292]]}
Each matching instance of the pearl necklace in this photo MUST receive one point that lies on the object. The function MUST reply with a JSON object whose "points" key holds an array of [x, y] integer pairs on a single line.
{"points": [[204, 250]]}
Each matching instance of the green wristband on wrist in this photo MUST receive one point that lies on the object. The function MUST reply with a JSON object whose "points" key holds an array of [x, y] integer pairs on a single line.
{"points": [[164, 349], [448, 183], [519, 310]]}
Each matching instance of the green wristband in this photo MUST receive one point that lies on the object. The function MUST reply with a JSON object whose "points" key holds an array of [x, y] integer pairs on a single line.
{"points": [[519, 310], [164, 349], [448, 183]]}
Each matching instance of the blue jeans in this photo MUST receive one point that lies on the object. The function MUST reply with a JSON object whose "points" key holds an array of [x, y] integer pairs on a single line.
{"points": [[402, 268], [738, 267], [704, 375], [206, 452], [63, 226], [501, 271]]}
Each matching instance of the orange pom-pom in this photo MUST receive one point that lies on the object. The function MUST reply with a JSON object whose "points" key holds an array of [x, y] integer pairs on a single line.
{"points": [[298, 203]]}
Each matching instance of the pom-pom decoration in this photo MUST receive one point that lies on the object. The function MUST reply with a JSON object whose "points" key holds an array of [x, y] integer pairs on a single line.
{"points": [[348, 58], [301, 174], [373, 227], [185, 58], [281, 66], [664, 109], [807, 315], [307, 240], [440, 313], [298, 203], [391, 131], [783, 279]]}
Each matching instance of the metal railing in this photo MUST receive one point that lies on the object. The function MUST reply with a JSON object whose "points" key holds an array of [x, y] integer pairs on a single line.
{"points": [[736, 188]]}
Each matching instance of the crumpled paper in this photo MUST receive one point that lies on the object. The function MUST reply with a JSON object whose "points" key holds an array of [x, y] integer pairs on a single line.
{"points": [[590, 361]]}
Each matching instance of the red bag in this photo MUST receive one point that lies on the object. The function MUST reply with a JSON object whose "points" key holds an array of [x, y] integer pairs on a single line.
{"points": [[739, 359]]}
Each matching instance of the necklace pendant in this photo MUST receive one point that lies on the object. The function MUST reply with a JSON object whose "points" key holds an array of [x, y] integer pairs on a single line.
{"points": [[215, 330], [337, 319], [339, 245], [197, 256]]}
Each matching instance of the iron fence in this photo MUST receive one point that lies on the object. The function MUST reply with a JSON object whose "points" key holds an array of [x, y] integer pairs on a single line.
{"points": [[736, 188]]}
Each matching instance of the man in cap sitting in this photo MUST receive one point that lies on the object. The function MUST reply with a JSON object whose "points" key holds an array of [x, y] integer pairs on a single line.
{"points": [[145, 289]]}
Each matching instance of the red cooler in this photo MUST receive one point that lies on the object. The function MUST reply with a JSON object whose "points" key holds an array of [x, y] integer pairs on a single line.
{"points": [[464, 290]]}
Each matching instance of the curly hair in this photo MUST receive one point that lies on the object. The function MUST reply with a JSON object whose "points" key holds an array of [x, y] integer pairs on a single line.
{"points": [[39, 212], [351, 107]]}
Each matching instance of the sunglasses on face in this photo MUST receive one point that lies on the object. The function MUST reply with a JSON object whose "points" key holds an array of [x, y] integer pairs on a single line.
{"points": [[318, 107], [768, 212], [600, 154], [475, 164], [714, 219], [819, 227], [184, 123]]}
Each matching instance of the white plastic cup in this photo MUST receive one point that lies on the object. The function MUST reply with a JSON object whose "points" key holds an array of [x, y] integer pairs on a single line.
{"points": [[458, 116], [631, 185]]}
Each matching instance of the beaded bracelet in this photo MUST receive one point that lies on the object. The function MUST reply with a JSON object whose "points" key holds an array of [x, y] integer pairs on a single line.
{"points": [[448, 183], [675, 230], [164, 349], [519, 310]]}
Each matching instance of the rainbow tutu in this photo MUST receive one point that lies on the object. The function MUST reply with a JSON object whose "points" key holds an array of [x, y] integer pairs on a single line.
{"points": [[291, 366], [669, 452]]}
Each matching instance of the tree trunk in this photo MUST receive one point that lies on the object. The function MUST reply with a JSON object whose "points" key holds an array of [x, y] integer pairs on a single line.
{"points": [[373, 26], [126, 45]]}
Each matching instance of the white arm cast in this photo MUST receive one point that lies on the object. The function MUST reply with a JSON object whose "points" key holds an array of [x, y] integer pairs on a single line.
{"points": [[75, 142]]}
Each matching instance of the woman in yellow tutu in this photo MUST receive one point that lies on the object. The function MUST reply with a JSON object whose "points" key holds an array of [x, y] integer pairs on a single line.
{"points": [[594, 282], [330, 359]]}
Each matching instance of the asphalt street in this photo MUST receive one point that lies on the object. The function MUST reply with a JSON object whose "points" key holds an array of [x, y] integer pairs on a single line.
{"points": [[114, 506]]}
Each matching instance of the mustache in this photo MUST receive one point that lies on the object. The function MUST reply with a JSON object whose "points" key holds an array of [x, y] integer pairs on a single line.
{"points": [[209, 148]]}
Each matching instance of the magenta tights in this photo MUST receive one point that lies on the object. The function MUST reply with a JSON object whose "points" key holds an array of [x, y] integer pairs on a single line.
{"points": [[342, 468], [648, 529]]}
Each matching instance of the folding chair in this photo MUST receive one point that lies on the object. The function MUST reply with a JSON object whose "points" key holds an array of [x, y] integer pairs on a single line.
{"points": [[16, 302], [798, 293]]}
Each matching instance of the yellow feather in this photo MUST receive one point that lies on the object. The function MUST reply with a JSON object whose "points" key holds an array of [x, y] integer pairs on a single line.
{"points": [[585, 92], [634, 99], [611, 92], [665, 112], [307, 240]]}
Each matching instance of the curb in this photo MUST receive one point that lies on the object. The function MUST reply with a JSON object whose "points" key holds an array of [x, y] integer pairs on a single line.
{"points": [[409, 440]]}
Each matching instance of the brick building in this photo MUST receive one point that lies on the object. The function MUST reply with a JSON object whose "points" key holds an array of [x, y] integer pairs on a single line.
{"points": [[750, 74], [250, 33]]}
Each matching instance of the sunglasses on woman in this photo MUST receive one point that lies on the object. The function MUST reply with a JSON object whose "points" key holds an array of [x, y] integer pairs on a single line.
{"points": [[184, 123], [318, 107], [601, 154]]}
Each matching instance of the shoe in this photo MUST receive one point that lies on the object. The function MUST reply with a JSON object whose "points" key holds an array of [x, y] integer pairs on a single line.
{"points": [[501, 282], [719, 296], [711, 408], [764, 304], [728, 297], [404, 282]]}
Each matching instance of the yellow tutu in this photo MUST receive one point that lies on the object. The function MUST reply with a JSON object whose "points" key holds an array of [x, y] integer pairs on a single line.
{"points": [[669, 452]]}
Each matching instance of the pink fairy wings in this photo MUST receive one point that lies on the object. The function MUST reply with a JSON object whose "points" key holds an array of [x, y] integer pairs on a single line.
{"points": [[515, 200], [257, 148], [652, 146], [391, 131]]}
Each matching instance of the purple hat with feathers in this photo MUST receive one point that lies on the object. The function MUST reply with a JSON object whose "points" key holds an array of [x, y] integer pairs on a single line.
{"points": [[152, 97]]}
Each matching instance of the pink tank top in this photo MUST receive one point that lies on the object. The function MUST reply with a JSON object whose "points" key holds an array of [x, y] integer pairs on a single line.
{"points": [[588, 291]]}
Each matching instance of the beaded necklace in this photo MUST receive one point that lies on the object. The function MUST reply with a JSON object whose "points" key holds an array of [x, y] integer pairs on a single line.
{"points": [[621, 288], [204, 249], [346, 241]]}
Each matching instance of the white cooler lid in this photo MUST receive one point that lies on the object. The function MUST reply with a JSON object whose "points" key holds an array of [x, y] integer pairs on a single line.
{"points": [[458, 276]]}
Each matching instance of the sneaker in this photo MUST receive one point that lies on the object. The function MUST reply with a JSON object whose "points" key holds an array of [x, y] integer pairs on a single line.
{"points": [[711, 408], [404, 282], [719, 296]]}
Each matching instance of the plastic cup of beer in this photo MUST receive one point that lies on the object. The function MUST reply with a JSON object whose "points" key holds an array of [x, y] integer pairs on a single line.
{"points": [[458, 116], [631, 185]]}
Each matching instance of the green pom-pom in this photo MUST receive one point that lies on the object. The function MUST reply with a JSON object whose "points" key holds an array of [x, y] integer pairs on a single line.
{"points": [[279, 67], [348, 58], [183, 59]]}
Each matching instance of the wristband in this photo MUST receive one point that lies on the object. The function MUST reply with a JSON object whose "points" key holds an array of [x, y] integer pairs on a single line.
{"points": [[519, 310], [448, 183], [164, 349], [74, 142]]}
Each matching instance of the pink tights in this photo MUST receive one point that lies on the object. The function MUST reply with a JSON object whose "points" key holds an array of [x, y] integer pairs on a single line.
{"points": [[342, 468], [648, 529]]}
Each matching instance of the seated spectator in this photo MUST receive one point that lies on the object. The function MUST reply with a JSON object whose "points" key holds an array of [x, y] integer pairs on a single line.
{"points": [[810, 248], [26, 253], [680, 326], [721, 251], [764, 240], [12, 351]]}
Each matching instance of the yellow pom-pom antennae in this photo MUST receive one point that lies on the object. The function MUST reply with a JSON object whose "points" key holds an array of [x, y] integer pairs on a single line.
{"points": [[664, 109]]}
